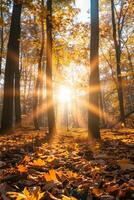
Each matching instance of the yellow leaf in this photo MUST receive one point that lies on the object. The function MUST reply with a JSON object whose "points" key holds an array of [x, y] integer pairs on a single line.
{"points": [[16, 195], [26, 195], [26, 192], [68, 198], [50, 159], [38, 162]]}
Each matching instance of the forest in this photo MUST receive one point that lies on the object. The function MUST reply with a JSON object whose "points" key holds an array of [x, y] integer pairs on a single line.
{"points": [[66, 99]]}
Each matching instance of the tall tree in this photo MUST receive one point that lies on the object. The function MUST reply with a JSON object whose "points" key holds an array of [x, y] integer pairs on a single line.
{"points": [[94, 82], [11, 70], [38, 92], [17, 94], [117, 44], [1, 34], [49, 85]]}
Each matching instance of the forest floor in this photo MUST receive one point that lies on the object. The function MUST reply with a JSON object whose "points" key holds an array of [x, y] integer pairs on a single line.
{"points": [[68, 167]]}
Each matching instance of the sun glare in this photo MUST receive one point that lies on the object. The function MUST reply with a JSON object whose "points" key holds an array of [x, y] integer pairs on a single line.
{"points": [[64, 94]]}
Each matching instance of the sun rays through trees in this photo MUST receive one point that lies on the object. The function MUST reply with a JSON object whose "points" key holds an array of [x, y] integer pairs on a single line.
{"points": [[66, 99]]}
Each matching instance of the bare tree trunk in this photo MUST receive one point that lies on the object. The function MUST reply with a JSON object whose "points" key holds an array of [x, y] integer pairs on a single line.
{"points": [[12, 63], [1, 36], [117, 44], [17, 98], [39, 82], [102, 112], [25, 91], [49, 87], [35, 105], [93, 117]]}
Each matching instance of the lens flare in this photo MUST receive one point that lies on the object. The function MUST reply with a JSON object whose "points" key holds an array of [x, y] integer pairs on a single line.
{"points": [[64, 94]]}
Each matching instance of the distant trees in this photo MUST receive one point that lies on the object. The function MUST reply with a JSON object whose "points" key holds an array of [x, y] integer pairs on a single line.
{"points": [[94, 82], [12, 74], [123, 22]]}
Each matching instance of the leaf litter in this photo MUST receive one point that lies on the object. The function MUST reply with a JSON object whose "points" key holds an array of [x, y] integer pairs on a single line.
{"points": [[69, 168]]}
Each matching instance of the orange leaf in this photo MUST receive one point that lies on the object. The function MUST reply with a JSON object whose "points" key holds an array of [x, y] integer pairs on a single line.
{"points": [[22, 168], [71, 174], [26, 159], [51, 176], [97, 192], [112, 188]]}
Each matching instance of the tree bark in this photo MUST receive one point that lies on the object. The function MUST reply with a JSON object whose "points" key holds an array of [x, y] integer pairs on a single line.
{"points": [[38, 94], [117, 44], [1, 36], [93, 117], [17, 99], [12, 65], [49, 87]]}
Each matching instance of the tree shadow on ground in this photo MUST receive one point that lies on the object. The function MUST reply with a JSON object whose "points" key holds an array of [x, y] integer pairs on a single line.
{"points": [[16, 144]]}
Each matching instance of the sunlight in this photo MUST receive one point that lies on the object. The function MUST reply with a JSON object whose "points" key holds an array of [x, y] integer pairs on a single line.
{"points": [[64, 94]]}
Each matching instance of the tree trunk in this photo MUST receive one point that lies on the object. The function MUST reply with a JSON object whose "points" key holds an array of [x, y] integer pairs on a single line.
{"points": [[17, 99], [117, 45], [93, 117], [38, 95], [1, 37], [42, 69], [35, 105], [12, 63], [49, 87]]}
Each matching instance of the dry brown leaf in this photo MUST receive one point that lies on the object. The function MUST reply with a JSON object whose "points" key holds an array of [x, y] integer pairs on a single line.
{"points": [[122, 193], [125, 164], [132, 188], [97, 192], [113, 188]]}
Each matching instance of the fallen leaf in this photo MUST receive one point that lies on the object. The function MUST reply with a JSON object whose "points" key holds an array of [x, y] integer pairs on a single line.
{"points": [[125, 164], [68, 198], [113, 188], [22, 168], [26, 159], [51, 175], [97, 192], [50, 159], [39, 162]]}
